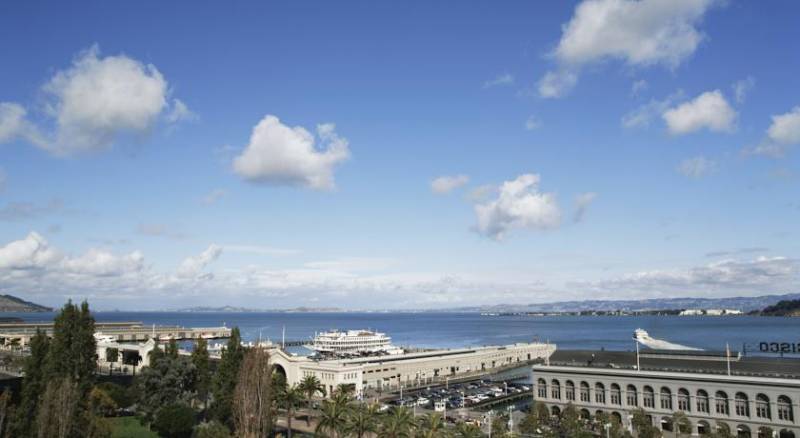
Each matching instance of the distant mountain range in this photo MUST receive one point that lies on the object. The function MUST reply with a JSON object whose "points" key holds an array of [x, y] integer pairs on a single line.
{"points": [[10, 303], [206, 309], [745, 304]]}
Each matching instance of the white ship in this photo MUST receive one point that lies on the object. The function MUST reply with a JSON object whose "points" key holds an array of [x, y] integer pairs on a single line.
{"points": [[353, 342], [641, 336]]}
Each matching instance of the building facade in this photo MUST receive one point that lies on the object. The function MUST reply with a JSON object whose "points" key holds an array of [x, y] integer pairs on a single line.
{"points": [[708, 398]]}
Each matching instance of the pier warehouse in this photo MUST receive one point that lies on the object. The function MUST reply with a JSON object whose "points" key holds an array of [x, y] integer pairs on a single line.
{"points": [[386, 373], [758, 392]]}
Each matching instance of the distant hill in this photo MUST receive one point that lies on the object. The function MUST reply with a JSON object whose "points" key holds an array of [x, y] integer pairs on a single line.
{"points": [[10, 303], [745, 304], [782, 308], [201, 309]]}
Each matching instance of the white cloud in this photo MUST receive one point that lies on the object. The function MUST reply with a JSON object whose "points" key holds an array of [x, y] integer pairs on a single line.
{"points": [[195, 265], [696, 167], [101, 263], [32, 252], [97, 99], [518, 205], [533, 123], [785, 128], [260, 250], [637, 87], [582, 203], [180, 112], [742, 87], [638, 32], [643, 116], [783, 132], [709, 110], [15, 125], [500, 80], [279, 154], [556, 84], [446, 184]]}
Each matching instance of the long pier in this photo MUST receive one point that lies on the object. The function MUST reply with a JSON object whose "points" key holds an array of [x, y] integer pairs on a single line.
{"points": [[126, 331]]}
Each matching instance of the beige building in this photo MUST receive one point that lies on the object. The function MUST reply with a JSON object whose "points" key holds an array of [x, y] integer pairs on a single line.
{"points": [[757, 392]]}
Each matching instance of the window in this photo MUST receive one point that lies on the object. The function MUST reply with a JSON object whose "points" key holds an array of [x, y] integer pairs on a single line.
{"points": [[542, 386], [742, 404], [585, 392], [599, 393], [762, 406], [630, 394], [555, 391], [785, 409], [683, 400], [721, 403], [649, 397], [666, 398], [702, 401], [570, 390], [616, 399]]}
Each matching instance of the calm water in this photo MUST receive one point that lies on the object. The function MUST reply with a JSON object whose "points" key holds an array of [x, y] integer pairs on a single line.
{"points": [[443, 330]]}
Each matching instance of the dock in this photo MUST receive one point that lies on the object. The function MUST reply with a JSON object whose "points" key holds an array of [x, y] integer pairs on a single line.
{"points": [[125, 331]]}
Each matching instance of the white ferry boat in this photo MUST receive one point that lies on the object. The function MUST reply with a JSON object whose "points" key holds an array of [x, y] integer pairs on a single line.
{"points": [[353, 342], [641, 336]]}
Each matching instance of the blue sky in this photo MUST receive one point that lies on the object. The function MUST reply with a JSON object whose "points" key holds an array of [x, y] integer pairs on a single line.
{"points": [[151, 156]]}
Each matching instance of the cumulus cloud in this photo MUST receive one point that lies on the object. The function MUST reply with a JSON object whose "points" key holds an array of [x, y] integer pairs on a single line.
{"points": [[637, 32], [29, 253], [709, 110], [697, 167], [92, 103], [284, 155], [742, 87], [783, 132], [101, 263], [582, 203], [500, 80], [642, 117], [446, 184], [193, 266], [519, 204]]}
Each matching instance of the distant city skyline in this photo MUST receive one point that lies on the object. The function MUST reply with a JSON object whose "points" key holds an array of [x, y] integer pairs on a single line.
{"points": [[398, 155]]}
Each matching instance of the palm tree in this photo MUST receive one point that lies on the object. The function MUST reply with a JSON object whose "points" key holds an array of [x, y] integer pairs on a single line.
{"points": [[332, 418], [310, 386], [681, 423], [398, 424], [468, 430], [431, 426], [290, 397], [362, 419]]}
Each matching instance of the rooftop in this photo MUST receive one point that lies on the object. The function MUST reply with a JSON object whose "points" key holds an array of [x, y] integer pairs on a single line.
{"points": [[682, 362]]}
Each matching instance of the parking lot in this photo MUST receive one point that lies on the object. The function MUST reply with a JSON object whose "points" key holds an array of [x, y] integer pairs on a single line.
{"points": [[459, 395]]}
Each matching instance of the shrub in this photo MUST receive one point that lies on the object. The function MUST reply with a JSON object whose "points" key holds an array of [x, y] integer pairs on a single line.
{"points": [[174, 421]]}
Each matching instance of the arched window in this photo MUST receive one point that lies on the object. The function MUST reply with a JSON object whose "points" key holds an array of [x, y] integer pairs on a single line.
{"points": [[585, 414], [570, 390], [742, 405], [555, 390], [616, 398], [702, 401], [721, 403], [648, 397], [599, 393], [743, 431], [542, 388], [683, 400], [630, 395], [666, 398], [556, 411], [762, 407], [585, 392], [785, 409]]}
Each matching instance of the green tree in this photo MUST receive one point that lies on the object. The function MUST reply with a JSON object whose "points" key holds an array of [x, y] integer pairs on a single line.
{"points": [[681, 424], [333, 416], [33, 385], [6, 411], [431, 426], [362, 420], [722, 431], [212, 429], [171, 349], [398, 424], [289, 397], [643, 424], [499, 425], [311, 386], [112, 356], [201, 361], [226, 378], [167, 381], [468, 430], [174, 421]]}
